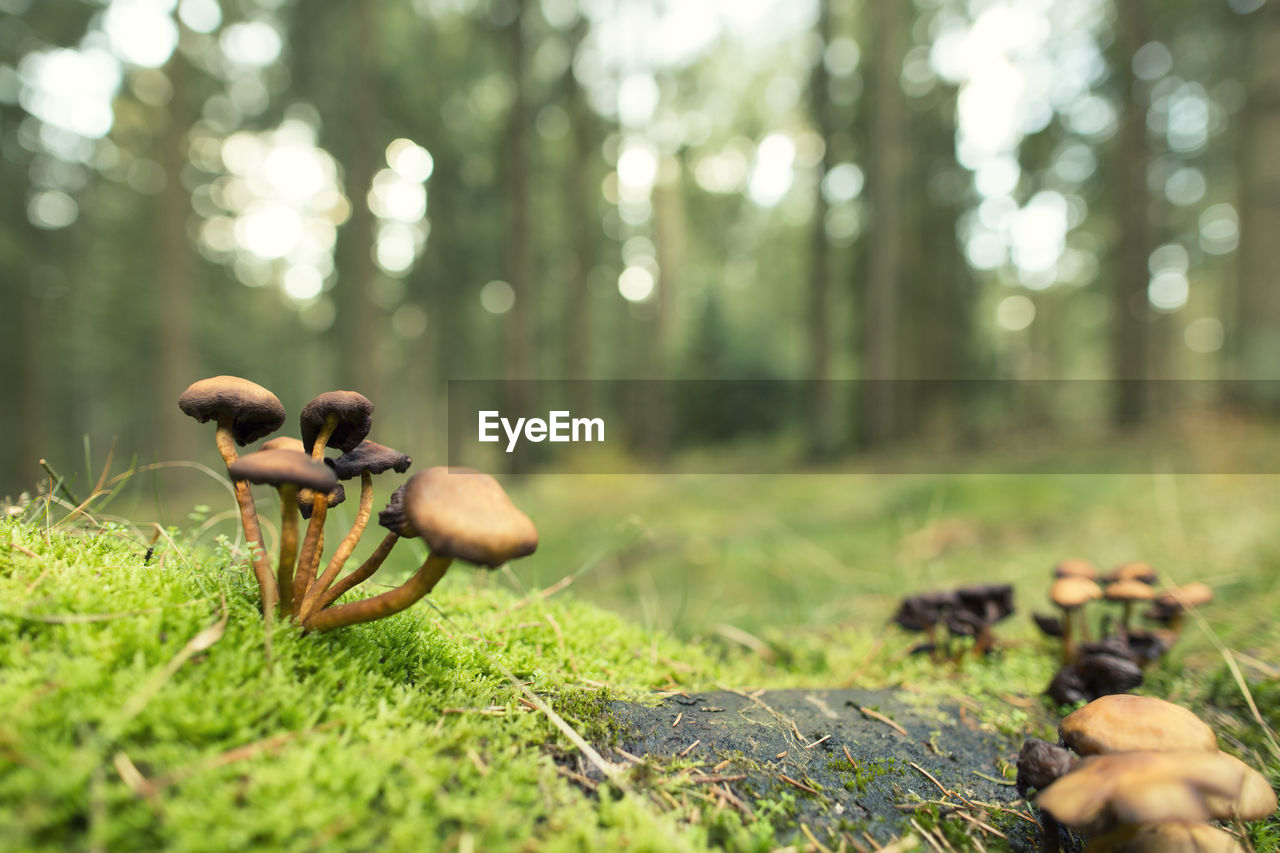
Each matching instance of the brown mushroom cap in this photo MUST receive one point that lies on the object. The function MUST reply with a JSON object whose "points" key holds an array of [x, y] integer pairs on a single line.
{"points": [[1072, 592], [1104, 791], [254, 411], [466, 515], [1130, 590], [372, 457], [307, 498], [1123, 722], [393, 517], [1178, 836], [1074, 567], [278, 467], [1132, 572], [1040, 763], [1180, 597], [1255, 800], [355, 417], [284, 442]]}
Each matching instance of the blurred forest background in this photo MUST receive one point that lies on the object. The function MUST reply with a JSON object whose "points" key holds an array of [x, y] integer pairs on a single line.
{"points": [[386, 194]]}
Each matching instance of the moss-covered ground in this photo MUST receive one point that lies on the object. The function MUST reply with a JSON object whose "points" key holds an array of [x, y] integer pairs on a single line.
{"points": [[140, 707]]}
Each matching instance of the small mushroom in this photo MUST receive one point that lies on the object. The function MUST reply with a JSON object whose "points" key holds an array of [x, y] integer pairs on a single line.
{"points": [[1169, 607], [1069, 594], [1125, 723], [923, 613], [364, 461], [461, 514], [244, 412], [1040, 763], [1127, 591], [1175, 836], [287, 470], [1132, 572], [1092, 676], [1074, 567], [341, 419]]}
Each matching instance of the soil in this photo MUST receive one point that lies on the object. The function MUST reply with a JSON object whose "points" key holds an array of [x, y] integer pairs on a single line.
{"points": [[760, 747]]}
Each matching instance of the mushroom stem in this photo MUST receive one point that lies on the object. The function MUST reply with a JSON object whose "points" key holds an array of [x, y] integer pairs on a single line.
{"points": [[1049, 830], [386, 604], [360, 575], [1068, 642], [345, 548], [309, 558], [248, 519], [322, 439], [288, 545], [1124, 618]]}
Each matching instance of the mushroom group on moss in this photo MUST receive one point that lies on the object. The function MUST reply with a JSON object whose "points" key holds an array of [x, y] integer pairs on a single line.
{"points": [[1150, 777], [460, 513], [969, 611]]}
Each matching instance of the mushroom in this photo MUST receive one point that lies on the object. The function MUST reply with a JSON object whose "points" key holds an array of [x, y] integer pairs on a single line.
{"points": [[989, 603], [1169, 607], [1074, 567], [365, 460], [244, 412], [1092, 676], [1069, 594], [1132, 572], [287, 470], [461, 514], [1040, 763], [1127, 591], [923, 613], [391, 518], [341, 419], [1123, 723], [1175, 836]]}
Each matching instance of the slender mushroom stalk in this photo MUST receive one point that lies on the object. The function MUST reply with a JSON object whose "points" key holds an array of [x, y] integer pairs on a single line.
{"points": [[1070, 594], [361, 574], [365, 460], [244, 411], [343, 419], [1127, 592], [287, 470], [461, 514]]}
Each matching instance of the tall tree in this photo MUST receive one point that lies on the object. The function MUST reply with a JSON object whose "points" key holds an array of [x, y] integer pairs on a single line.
{"points": [[888, 154], [580, 183], [821, 424], [1257, 348], [1131, 313]]}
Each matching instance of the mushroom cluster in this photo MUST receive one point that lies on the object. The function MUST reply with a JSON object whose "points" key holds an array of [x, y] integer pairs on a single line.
{"points": [[1111, 659], [460, 513], [967, 612], [1149, 777]]}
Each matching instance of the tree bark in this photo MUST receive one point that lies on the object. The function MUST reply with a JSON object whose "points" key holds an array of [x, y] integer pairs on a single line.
{"points": [[582, 222], [521, 349], [821, 426], [888, 155]]}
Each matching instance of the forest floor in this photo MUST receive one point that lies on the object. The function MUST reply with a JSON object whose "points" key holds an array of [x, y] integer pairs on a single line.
{"points": [[660, 676]]}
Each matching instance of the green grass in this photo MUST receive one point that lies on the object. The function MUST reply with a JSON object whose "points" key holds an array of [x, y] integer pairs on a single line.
{"points": [[111, 737]]}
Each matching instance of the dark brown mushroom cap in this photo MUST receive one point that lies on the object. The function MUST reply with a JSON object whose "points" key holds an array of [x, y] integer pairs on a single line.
{"points": [[278, 467], [1074, 567], [254, 411], [355, 418], [1094, 676], [1123, 723], [989, 602], [1040, 763], [372, 457], [923, 611], [466, 515], [393, 517], [1050, 626]]}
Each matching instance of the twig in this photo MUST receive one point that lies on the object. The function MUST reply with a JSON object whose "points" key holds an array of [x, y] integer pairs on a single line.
{"points": [[713, 780], [59, 481], [876, 715], [32, 554], [931, 778], [818, 741], [802, 786], [688, 749], [813, 839]]}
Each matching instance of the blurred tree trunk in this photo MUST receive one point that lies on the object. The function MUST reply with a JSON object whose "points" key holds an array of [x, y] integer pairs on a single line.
{"points": [[521, 348], [669, 230], [888, 154], [1257, 346], [582, 222], [175, 364], [357, 327], [1131, 313], [821, 422]]}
